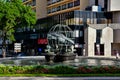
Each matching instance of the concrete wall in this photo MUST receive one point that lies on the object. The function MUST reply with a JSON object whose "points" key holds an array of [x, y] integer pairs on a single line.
{"points": [[84, 4], [91, 41], [116, 35], [86, 41], [107, 39], [41, 9]]}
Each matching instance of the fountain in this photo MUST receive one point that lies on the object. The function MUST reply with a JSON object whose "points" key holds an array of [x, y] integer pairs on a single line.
{"points": [[60, 44], [60, 49], [40, 60]]}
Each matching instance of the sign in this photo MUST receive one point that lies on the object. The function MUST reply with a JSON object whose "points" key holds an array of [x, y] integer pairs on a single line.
{"points": [[17, 47], [42, 41]]}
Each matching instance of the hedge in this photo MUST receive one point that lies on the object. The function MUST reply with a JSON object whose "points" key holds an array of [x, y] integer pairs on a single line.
{"points": [[60, 69]]}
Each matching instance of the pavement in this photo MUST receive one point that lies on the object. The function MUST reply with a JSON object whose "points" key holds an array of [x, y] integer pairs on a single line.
{"points": [[59, 78]]}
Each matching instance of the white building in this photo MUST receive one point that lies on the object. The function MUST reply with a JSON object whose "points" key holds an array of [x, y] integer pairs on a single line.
{"points": [[102, 40]]}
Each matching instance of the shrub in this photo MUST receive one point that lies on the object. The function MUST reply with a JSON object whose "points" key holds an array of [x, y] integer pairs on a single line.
{"points": [[59, 69], [98, 69], [62, 70], [85, 69]]}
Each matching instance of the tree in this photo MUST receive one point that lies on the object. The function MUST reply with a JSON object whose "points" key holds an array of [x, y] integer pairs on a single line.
{"points": [[13, 14]]}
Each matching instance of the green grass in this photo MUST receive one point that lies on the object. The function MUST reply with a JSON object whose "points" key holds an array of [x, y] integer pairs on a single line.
{"points": [[57, 75]]}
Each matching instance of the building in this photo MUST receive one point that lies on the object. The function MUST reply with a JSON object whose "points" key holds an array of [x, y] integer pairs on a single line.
{"points": [[93, 19], [39, 6], [55, 7], [76, 14], [30, 3], [46, 8], [102, 40]]}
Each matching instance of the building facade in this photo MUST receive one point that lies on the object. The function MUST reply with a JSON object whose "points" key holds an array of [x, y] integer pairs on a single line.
{"points": [[45, 8], [30, 3], [93, 19], [102, 40]]}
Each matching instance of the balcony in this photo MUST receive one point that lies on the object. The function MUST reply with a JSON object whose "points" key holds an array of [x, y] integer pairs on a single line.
{"points": [[26, 1], [53, 1]]}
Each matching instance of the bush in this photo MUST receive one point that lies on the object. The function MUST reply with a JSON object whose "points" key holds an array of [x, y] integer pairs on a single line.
{"points": [[60, 69], [98, 69], [37, 69], [85, 69]]}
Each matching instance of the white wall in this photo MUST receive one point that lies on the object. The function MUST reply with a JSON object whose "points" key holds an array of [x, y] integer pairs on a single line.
{"points": [[107, 39], [91, 41], [114, 5]]}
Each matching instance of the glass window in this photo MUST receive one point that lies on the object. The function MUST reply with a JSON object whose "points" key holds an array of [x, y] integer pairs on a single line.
{"points": [[98, 36], [70, 5], [77, 3], [58, 8], [49, 10], [64, 6], [54, 9], [99, 49], [34, 3]]}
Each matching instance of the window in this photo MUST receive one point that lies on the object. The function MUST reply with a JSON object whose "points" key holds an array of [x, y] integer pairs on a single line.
{"points": [[81, 33], [53, 1], [99, 49], [24, 0], [64, 6], [77, 3], [98, 36], [54, 9], [49, 11], [34, 3], [58, 8], [70, 5]]}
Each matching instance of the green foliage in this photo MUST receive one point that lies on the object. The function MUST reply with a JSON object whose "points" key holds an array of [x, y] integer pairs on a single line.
{"points": [[37, 69], [27, 17], [62, 70], [59, 70], [13, 14]]}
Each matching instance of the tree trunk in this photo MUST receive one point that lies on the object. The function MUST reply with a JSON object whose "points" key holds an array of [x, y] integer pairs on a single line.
{"points": [[4, 45]]}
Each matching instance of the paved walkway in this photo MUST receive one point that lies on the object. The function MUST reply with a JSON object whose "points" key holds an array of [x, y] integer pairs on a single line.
{"points": [[59, 78]]}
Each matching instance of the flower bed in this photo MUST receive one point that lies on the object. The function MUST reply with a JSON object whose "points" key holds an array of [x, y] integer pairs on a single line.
{"points": [[60, 69]]}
